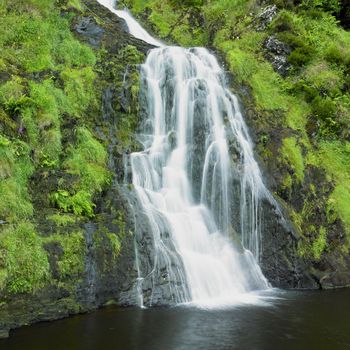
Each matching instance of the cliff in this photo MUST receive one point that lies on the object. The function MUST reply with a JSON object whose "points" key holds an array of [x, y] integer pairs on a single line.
{"points": [[69, 111]]}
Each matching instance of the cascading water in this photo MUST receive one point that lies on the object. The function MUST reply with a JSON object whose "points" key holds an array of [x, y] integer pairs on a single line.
{"points": [[134, 27], [196, 181]]}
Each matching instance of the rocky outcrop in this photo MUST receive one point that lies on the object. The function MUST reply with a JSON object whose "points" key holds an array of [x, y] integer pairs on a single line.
{"points": [[280, 262], [265, 17], [277, 54], [106, 255]]}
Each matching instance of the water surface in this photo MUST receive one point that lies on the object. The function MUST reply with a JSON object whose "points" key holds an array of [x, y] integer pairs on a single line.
{"points": [[296, 320]]}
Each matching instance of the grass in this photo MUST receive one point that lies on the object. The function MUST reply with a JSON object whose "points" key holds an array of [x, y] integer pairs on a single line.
{"points": [[87, 160], [62, 220], [51, 80], [319, 244], [15, 169], [292, 154], [334, 157], [36, 38], [79, 89], [24, 266]]}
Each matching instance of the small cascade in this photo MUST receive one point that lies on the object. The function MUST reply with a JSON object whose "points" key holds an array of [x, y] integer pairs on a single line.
{"points": [[135, 29], [197, 182]]}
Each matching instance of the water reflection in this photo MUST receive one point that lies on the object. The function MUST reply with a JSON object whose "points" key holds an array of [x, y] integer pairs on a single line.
{"points": [[310, 320]]}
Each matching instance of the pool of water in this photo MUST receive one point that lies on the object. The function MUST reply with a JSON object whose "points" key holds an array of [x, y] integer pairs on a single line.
{"points": [[291, 320]]}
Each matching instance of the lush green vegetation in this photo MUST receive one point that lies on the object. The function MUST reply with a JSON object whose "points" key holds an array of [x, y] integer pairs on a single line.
{"points": [[71, 261], [24, 265], [310, 103], [87, 160], [49, 89], [47, 84]]}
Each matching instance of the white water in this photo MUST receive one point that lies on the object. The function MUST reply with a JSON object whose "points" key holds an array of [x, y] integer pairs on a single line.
{"points": [[134, 27], [196, 179]]}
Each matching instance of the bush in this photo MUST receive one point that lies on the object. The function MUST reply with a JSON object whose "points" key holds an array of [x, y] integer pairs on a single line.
{"points": [[79, 203]]}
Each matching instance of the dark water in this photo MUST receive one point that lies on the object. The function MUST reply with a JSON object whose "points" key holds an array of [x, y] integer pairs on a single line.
{"points": [[298, 320]]}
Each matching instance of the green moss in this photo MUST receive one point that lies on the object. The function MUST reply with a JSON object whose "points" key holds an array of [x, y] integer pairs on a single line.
{"points": [[319, 244], [292, 154], [23, 259], [15, 170], [79, 89], [88, 160], [62, 220], [338, 206], [71, 263], [115, 244]]}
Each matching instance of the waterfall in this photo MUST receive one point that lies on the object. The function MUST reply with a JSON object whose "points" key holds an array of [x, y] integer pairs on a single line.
{"points": [[135, 29], [197, 182]]}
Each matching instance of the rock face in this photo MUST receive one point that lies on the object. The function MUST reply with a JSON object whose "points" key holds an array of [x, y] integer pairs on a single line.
{"points": [[106, 252], [277, 53], [279, 261], [265, 17]]}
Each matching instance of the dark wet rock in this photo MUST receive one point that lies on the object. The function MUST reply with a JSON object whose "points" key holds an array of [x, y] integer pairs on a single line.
{"points": [[88, 28], [280, 262], [113, 33], [265, 17], [156, 282], [125, 95], [277, 53], [108, 97], [4, 77], [45, 74]]}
